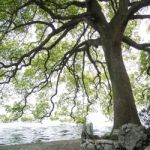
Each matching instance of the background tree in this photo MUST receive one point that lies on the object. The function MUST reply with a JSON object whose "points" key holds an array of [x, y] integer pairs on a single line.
{"points": [[47, 43]]}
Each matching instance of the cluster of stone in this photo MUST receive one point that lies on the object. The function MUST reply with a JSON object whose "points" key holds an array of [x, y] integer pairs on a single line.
{"points": [[129, 137], [100, 145]]}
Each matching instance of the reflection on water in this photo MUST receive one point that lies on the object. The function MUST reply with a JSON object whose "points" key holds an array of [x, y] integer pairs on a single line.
{"points": [[21, 133]]}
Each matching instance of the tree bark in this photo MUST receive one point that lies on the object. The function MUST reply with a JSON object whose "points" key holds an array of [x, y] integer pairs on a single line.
{"points": [[123, 101], [111, 34]]}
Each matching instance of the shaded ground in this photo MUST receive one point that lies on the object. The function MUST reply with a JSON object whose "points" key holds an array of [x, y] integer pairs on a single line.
{"points": [[55, 145]]}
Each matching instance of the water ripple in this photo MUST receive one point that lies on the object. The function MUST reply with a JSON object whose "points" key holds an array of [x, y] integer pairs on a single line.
{"points": [[21, 133]]}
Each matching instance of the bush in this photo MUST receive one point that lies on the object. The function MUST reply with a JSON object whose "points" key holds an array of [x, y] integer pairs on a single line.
{"points": [[27, 118]]}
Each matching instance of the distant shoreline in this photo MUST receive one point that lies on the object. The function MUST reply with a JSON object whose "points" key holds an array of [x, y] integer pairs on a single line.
{"points": [[54, 145]]}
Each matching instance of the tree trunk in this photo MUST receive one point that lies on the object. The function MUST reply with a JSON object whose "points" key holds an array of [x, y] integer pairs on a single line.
{"points": [[111, 36], [123, 101]]}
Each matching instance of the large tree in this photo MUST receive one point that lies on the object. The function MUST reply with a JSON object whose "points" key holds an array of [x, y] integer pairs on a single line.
{"points": [[48, 42]]}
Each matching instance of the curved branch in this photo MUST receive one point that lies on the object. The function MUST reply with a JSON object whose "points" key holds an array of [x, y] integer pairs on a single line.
{"points": [[113, 4], [85, 89], [93, 62], [130, 42], [69, 24], [76, 78], [18, 65], [148, 70], [71, 3], [136, 6], [31, 23], [140, 17], [41, 5]]}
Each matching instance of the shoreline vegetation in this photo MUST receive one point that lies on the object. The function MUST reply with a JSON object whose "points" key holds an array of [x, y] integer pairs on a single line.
{"points": [[53, 145]]}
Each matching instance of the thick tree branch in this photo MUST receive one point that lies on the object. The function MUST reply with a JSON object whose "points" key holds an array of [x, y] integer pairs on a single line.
{"points": [[148, 70], [14, 67], [69, 24], [31, 23], [68, 4], [130, 42], [96, 15], [136, 6], [56, 16], [113, 4], [117, 23], [140, 17]]}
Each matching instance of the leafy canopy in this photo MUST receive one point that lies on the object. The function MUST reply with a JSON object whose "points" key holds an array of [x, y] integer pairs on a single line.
{"points": [[50, 56]]}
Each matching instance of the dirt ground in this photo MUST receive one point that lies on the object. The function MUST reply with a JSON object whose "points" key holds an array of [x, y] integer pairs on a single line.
{"points": [[55, 145]]}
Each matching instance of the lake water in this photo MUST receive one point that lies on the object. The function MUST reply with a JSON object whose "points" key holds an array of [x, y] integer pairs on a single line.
{"points": [[21, 133]]}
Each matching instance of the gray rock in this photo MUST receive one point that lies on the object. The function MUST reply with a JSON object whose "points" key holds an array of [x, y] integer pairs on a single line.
{"points": [[90, 146], [109, 142], [99, 147], [84, 145], [115, 132], [108, 147], [147, 148], [87, 146], [131, 136], [105, 146], [87, 131], [116, 145], [89, 128]]}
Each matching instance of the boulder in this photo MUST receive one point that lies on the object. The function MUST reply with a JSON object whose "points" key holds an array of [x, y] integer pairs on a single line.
{"points": [[131, 136], [105, 145], [98, 145], [147, 148], [87, 132]]}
